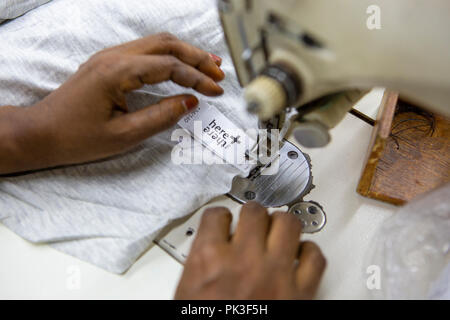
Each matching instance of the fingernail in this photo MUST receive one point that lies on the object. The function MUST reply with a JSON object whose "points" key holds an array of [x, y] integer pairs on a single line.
{"points": [[219, 89], [190, 103], [216, 59], [221, 75]]}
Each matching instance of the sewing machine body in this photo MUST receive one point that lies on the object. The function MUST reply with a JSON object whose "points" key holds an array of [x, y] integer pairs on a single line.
{"points": [[332, 46]]}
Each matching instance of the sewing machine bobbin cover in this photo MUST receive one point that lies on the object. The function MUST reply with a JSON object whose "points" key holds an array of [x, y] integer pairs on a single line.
{"points": [[311, 215]]}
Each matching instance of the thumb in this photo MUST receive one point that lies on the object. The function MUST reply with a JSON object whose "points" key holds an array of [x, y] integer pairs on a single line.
{"points": [[156, 118]]}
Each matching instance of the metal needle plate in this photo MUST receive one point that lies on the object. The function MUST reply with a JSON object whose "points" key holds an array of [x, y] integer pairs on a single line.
{"points": [[311, 215], [290, 183]]}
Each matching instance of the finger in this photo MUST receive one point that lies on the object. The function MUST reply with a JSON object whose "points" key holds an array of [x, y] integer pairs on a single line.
{"points": [[284, 235], [140, 70], [168, 44], [146, 122], [252, 227], [310, 268], [217, 59], [214, 226]]}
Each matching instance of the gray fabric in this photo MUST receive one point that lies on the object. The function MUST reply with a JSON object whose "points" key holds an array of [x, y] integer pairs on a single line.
{"points": [[108, 212], [10, 9]]}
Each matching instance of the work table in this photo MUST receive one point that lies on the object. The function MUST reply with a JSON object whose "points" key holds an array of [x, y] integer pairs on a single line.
{"points": [[39, 272]]}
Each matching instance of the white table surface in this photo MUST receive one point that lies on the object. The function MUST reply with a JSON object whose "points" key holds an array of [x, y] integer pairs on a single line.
{"points": [[40, 272]]}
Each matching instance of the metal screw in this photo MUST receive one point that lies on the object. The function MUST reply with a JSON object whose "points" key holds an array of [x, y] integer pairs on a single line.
{"points": [[250, 195], [309, 41], [189, 232], [312, 210], [292, 155], [275, 20]]}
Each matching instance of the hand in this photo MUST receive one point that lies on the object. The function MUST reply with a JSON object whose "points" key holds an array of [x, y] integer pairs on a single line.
{"points": [[87, 117], [264, 259]]}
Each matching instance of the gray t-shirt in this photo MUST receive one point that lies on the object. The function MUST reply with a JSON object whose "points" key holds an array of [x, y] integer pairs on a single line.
{"points": [[10, 9], [108, 212]]}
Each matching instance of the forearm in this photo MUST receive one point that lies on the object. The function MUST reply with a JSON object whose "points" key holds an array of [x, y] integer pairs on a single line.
{"points": [[24, 144]]}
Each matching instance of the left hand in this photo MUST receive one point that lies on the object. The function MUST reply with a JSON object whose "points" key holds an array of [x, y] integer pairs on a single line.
{"points": [[87, 118]]}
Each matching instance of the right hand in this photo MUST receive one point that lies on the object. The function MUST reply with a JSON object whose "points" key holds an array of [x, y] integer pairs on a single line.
{"points": [[264, 258]]}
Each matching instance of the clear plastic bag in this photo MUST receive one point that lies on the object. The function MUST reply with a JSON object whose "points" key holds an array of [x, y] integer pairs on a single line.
{"points": [[412, 250]]}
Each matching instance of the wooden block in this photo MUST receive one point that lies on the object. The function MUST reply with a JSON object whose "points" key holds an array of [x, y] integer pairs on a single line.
{"points": [[409, 153]]}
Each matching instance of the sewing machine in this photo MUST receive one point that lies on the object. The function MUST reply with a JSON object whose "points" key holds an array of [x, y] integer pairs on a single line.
{"points": [[305, 64], [289, 53]]}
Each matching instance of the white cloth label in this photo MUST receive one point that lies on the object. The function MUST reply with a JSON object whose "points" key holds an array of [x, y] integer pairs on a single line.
{"points": [[221, 136]]}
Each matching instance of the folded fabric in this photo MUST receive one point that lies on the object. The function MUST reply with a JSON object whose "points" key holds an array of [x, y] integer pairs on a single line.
{"points": [[10, 9], [108, 212]]}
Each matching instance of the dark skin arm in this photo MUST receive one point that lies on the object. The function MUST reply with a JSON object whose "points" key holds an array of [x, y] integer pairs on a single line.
{"points": [[87, 118]]}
